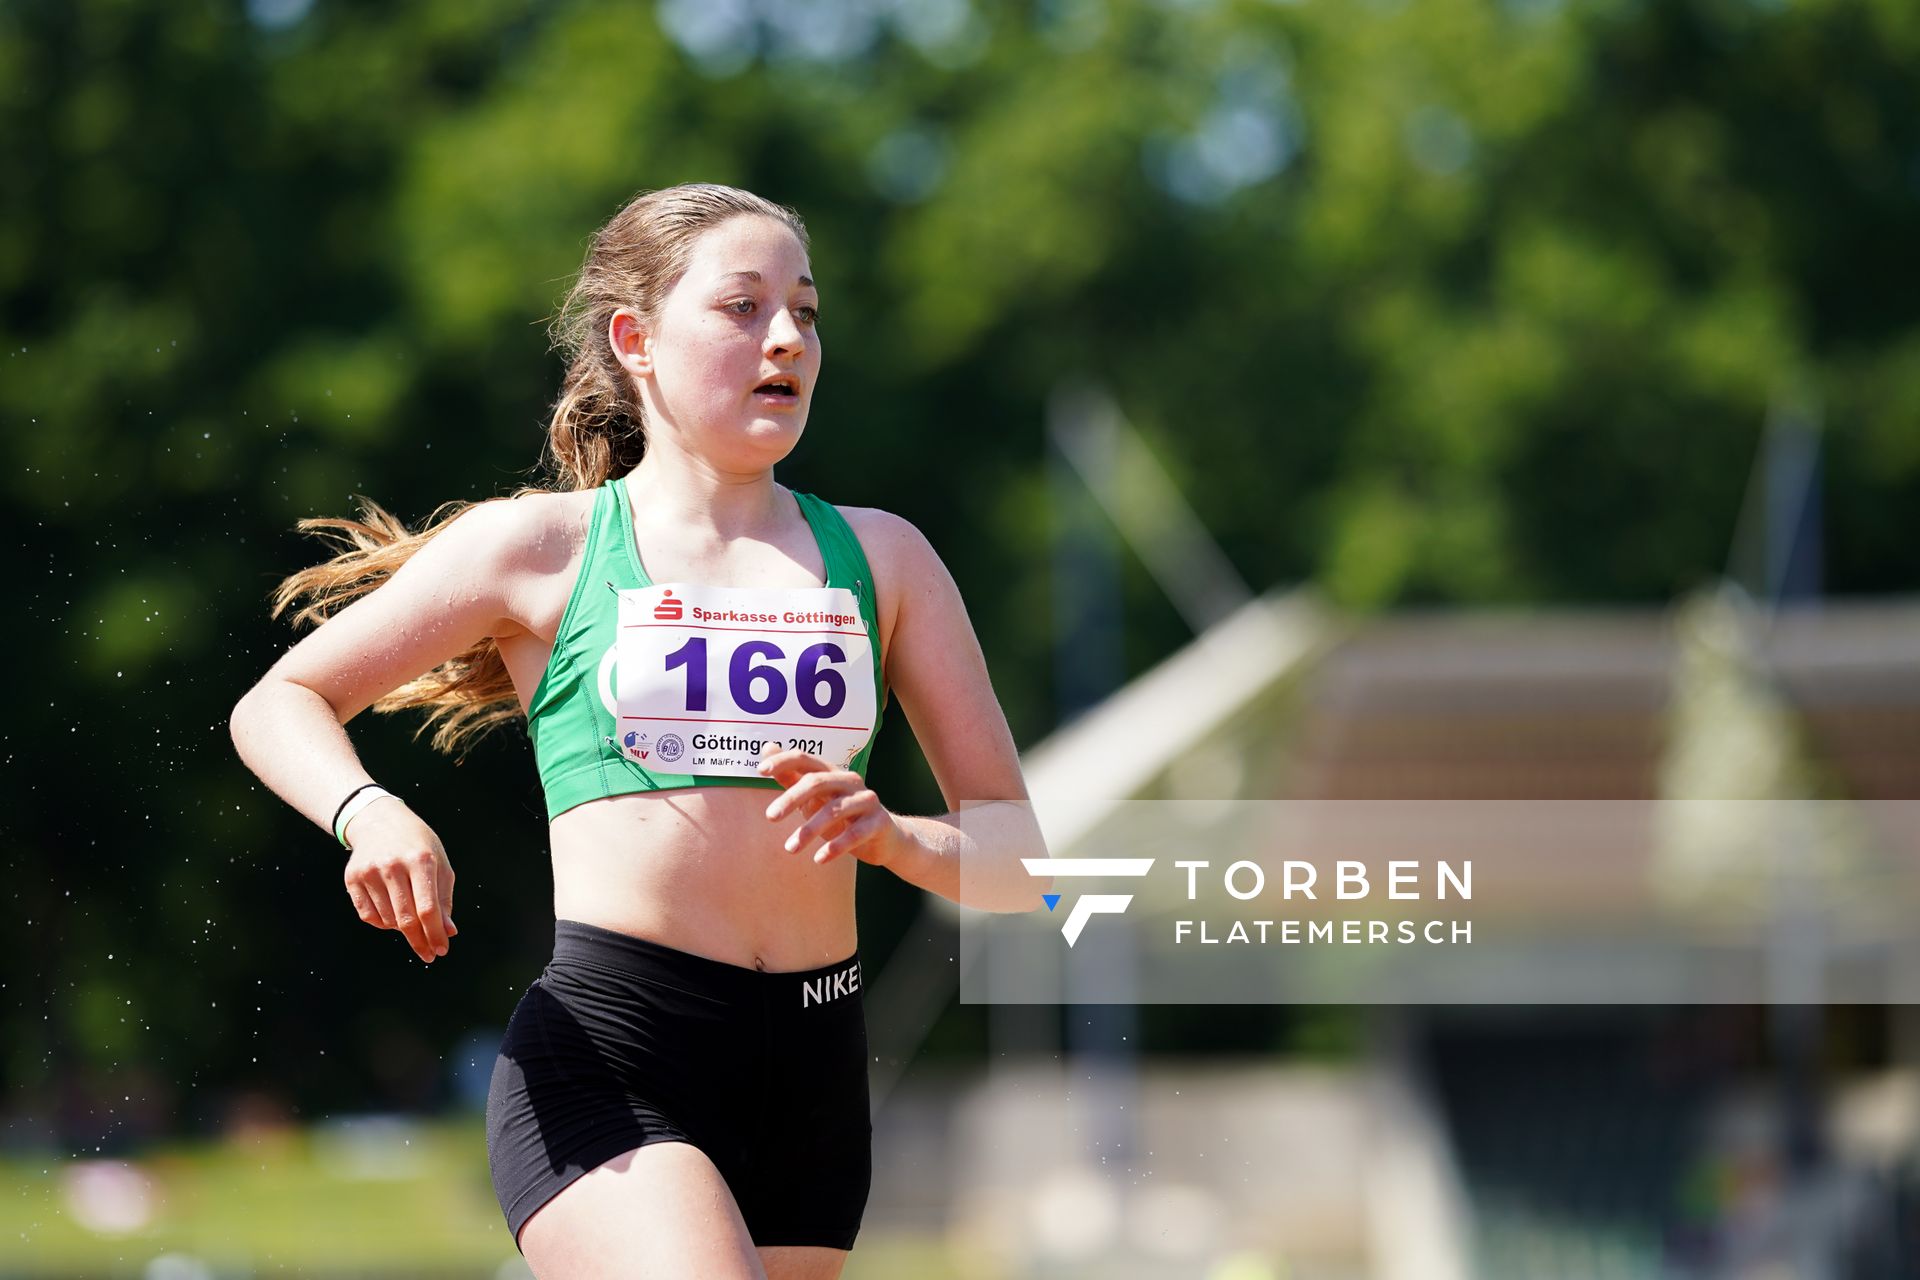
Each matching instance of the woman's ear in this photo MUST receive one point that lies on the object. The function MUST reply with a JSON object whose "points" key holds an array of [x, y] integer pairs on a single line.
{"points": [[632, 345]]}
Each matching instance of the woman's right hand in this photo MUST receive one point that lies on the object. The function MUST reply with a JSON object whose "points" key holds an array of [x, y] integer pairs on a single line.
{"points": [[399, 876]]}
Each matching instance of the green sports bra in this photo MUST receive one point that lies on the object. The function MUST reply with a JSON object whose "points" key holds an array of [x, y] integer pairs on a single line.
{"points": [[570, 717]]}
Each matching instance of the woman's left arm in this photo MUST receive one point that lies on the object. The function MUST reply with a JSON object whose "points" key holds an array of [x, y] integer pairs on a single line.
{"points": [[936, 669]]}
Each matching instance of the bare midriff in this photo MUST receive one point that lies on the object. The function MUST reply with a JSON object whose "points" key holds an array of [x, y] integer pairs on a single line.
{"points": [[702, 870]]}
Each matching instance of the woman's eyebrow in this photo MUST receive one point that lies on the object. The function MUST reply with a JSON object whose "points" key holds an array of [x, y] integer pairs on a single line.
{"points": [[756, 277]]}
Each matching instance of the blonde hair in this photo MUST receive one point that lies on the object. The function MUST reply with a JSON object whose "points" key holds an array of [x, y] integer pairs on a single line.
{"points": [[597, 431]]}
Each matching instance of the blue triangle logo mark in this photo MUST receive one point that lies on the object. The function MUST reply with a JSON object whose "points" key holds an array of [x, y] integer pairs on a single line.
{"points": [[1051, 899]]}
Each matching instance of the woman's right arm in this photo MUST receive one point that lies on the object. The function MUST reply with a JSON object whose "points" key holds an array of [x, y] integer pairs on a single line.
{"points": [[460, 586]]}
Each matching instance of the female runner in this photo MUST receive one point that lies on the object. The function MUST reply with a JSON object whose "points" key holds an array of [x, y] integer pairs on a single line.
{"points": [[683, 1091]]}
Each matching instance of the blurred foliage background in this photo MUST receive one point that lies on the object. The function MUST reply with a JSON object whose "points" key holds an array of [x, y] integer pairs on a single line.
{"points": [[1427, 301]]}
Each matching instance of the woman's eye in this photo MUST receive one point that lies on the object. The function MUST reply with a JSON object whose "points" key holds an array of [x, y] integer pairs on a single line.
{"points": [[808, 315], [741, 307]]}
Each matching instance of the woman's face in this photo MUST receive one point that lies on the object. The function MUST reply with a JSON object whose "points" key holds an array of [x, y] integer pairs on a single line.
{"points": [[741, 318]]}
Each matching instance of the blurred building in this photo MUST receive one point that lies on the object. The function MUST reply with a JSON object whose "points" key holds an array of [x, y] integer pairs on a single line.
{"points": [[1520, 1141]]}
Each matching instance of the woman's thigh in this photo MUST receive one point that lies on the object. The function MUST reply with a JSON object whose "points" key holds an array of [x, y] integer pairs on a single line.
{"points": [[802, 1262], [660, 1210]]}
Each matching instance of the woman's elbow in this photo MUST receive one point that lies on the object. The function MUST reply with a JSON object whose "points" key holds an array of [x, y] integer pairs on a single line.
{"points": [[241, 710]]}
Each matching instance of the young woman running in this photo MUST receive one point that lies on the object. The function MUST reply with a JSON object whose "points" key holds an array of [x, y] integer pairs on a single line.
{"points": [[703, 657]]}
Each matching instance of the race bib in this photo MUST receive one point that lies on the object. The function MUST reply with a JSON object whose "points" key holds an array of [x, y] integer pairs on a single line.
{"points": [[710, 679]]}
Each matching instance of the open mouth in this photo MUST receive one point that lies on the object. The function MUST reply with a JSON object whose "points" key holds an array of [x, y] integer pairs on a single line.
{"points": [[778, 389]]}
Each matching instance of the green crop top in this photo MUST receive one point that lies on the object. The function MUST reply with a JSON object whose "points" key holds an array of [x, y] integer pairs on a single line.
{"points": [[569, 719]]}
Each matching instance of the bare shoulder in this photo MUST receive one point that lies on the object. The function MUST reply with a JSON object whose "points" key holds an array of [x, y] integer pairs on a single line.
{"points": [[525, 544], [892, 542], [544, 531], [910, 580]]}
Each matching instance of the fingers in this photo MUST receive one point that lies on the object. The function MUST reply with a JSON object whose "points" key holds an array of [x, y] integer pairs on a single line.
{"points": [[399, 887], [829, 822], [833, 818], [428, 903], [446, 896], [811, 791], [370, 899], [789, 766], [397, 876], [840, 808], [857, 833]]}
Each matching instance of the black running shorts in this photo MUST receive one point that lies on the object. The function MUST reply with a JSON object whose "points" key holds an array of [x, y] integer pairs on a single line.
{"points": [[623, 1042]]}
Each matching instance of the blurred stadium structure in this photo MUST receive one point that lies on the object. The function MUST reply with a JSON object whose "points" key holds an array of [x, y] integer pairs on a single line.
{"points": [[1486, 1142]]}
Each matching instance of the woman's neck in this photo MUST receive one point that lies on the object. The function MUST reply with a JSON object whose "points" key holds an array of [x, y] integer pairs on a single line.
{"points": [[671, 486]]}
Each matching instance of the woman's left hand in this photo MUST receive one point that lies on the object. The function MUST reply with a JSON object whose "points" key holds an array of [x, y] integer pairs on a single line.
{"points": [[843, 812]]}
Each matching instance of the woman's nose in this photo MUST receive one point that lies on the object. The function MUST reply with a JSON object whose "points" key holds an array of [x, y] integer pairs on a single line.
{"points": [[783, 332]]}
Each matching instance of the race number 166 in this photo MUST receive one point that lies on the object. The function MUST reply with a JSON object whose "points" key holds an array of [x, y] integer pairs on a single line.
{"points": [[757, 679]]}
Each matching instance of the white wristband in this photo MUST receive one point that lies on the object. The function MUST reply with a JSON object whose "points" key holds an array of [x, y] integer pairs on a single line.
{"points": [[361, 799]]}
